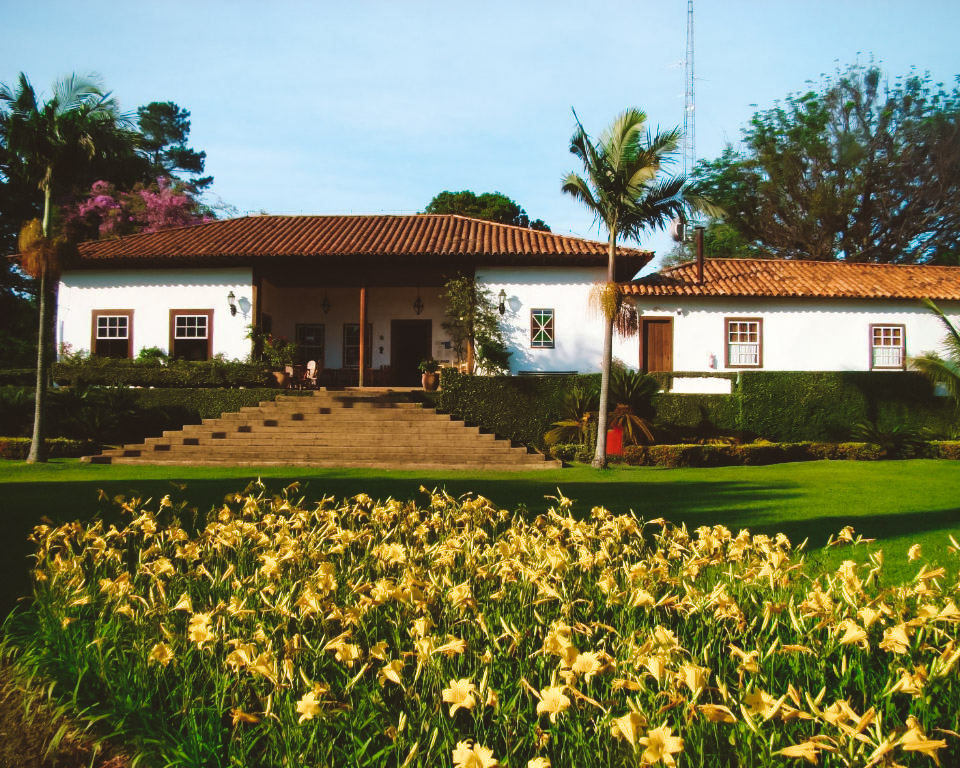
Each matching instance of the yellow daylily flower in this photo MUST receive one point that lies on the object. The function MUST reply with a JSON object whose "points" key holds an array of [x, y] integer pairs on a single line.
{"points": [[461, 694], [553, 701], [717, 713], [915, 740], [160, 654], [470, 755], [308, 707], [627, 727], [660, 746], [808, 750], [391, 671]]}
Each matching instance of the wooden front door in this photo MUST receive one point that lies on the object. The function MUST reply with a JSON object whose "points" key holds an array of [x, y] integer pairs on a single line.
{"points": [[656, 344], [411, 341]]}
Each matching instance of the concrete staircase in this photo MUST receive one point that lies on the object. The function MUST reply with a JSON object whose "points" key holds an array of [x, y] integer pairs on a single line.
{"points": [[371, 427]]}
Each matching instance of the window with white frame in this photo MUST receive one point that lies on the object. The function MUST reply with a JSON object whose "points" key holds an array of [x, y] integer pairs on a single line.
{"points": [[351, 346], [310, 339], [744, 342], [112, 333], [887, 347], [541, 329], [191, 335]]}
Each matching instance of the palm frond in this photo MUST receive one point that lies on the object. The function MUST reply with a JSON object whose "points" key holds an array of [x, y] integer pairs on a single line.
{"points": [[952, 342], [943, 372]]}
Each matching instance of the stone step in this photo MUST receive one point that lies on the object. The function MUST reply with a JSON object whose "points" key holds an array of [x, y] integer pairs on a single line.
{"points": [[333, 428], [347, 463], [286, 437], [321, 451]]}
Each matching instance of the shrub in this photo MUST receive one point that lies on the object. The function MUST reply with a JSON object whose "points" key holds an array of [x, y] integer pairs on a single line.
{"points": [[565, 451], [521, 408], [56, 448], [120, 414], [825, 405], [217, 372]]}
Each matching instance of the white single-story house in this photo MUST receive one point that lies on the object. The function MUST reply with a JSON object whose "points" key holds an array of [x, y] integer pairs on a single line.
{"points": [[776, 315], [194, 291]]}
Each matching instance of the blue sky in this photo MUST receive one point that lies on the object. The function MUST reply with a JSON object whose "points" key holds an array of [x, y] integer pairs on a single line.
{"points": [[374, 107]]}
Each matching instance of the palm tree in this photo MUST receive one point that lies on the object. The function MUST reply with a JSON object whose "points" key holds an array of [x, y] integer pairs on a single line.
{"points": [[47, 143], [624, 189], [942, 370]]}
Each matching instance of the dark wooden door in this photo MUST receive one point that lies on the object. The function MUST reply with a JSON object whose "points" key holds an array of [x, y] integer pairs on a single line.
{"points": [[656, 344], [411, 341]]}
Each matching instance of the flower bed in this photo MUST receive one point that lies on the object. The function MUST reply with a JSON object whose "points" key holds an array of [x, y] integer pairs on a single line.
{"points": [[365, 633]]}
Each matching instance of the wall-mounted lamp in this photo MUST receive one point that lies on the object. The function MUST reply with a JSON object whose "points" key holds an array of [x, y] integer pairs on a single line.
{"points": [[232, 301], [503, 301], [325, 304], [418, 304]]}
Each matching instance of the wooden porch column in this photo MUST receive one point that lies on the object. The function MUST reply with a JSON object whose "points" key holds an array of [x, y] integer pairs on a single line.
{"points": [[363, 331]]}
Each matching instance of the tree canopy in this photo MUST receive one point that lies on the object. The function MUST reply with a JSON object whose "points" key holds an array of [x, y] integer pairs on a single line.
{"points": [[490, 206], [165, 128], [862, 170]]}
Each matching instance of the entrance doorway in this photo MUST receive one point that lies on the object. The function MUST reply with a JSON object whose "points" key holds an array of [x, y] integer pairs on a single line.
{"points": [[411, 341], [656, 344]]}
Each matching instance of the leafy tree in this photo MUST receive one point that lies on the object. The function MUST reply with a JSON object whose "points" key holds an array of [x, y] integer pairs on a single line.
{"points": [[624, 189], [47, 143], [473, 324], [165, 127], [862, 170], [490, 206], [943, 370]]}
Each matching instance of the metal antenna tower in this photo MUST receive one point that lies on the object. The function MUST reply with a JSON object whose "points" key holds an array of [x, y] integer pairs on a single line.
{"points": [[689, 128]]}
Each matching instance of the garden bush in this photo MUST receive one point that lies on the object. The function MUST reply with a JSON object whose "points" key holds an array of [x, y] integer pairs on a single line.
{"points": [[114, 415], [759, 453], [56, 448], [109, 372], [271, 632], [521, 408], [825, 406]]}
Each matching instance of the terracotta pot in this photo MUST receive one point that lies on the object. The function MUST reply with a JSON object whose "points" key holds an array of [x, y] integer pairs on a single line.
{"points": [[431, 381], [282, 378]]}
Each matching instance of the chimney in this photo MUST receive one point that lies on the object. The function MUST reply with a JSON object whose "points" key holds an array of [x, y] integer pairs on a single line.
{"points": [[699, 255]]}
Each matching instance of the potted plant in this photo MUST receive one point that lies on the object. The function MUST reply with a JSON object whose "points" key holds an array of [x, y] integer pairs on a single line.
{"points": [[430, 378], [276, 352]]}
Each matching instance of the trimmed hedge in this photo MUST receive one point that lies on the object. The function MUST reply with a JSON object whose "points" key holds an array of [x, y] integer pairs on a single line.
{"points": [[146, 412], [789, 407], [750, 454], [18, 377], [108, 372], [703, 415], [57, 448], [786, 407], [521, 408]]}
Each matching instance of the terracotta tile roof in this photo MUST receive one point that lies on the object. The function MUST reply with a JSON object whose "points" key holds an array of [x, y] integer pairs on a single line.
{"points": [[802, 279], [450, 237]]}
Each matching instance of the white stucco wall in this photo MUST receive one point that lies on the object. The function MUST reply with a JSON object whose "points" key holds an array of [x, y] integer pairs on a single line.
{"points": [[289, 306], [578, 330], [151, 294], [798, 335]]}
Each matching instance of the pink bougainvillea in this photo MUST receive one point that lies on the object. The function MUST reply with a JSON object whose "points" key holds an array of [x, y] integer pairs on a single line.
{"points": [[107, 212]]}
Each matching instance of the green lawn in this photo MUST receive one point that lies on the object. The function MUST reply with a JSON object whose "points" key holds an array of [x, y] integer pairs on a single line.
{"points": [[896, 502]]}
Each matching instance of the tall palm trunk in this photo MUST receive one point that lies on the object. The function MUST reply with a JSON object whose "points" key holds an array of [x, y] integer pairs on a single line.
{"points": [[600, 457], [37, 448]]}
